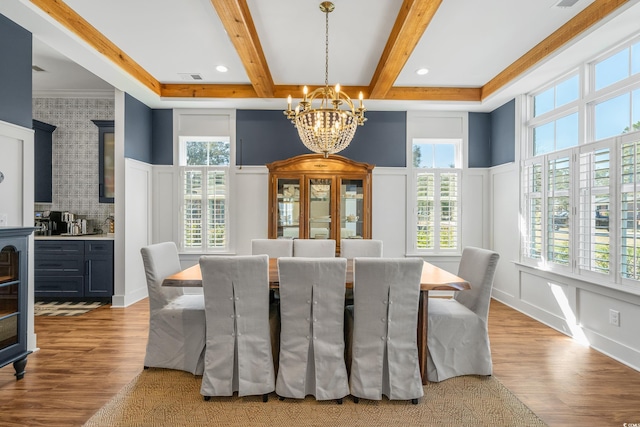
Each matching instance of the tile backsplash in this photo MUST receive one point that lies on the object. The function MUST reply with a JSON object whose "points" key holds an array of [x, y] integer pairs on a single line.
{"points": [[75, 154]]}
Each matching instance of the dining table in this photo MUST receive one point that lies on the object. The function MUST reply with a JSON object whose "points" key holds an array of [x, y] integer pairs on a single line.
{"points": [[433, 278]]}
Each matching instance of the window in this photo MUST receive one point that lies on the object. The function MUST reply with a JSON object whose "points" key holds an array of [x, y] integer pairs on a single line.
{"points": [[205, 180], [556, 135], [581, 188], [437, 178]]}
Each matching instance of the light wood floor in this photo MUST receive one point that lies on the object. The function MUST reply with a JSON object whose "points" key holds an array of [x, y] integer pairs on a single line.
{"points": [[84, 361]]}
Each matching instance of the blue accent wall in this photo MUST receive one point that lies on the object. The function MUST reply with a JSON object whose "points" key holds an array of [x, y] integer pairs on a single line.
{"points": [[264, 136], [492, 136], [15, 73], [137, 130], [503, 134], [162, 131], [479, 140]]}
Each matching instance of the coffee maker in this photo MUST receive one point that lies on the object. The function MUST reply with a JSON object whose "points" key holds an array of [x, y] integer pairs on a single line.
{"points": [[57, 224]]}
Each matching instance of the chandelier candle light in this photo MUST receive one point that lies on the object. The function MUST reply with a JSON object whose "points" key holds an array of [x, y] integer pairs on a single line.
{"points": [[329, 127]]}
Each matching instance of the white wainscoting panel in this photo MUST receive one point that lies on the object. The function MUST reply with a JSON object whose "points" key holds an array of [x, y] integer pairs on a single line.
{"points": [[137, 230]]}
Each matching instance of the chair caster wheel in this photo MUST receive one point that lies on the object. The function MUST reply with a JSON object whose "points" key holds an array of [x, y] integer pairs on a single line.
{"points": [[339, 401], [265, 397], [414, 401], [207, 398], [280, 398], [356, 399]]}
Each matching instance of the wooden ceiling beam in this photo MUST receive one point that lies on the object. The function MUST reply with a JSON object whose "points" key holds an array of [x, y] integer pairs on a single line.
{"points": [[412, 21], [68, 17], [579, 23], [237, 20], [188, 90], [467, 94]]}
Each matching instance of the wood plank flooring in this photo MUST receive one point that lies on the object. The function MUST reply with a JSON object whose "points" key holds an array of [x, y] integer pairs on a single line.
{"points": [[83, 361]]}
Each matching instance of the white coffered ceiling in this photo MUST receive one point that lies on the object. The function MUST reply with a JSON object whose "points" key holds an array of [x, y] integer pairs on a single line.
{"points": [[466, 44]]}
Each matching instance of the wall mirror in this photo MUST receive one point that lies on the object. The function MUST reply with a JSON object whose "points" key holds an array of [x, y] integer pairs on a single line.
{"points": [[106, 180]]}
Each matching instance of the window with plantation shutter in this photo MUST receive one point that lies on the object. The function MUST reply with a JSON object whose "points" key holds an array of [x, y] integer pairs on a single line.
{"points": [[532, 184], [630, 210], [580, 175], [558, 211], [595, 199], [437, 196], [205, 179]]}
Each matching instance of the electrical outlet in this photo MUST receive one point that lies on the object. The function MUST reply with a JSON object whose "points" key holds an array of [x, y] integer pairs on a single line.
{"points": [[614, 317], [3, 219]]}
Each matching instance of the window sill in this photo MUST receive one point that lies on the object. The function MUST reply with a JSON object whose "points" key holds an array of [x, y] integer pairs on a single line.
{"points": [[579, 281]]}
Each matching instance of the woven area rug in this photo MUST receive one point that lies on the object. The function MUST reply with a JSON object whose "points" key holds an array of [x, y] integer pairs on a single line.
{"points": [[159, 397], [62, 308]]}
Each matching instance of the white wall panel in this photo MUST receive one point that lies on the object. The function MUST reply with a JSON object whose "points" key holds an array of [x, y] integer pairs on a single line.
{"points": [[504, 220], [388, 210], [594, 315], [137, 230], [252, 207], [165, 211]]}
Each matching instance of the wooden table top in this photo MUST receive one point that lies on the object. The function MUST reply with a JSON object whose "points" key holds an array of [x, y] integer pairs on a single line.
{"points": [[433, 278]]}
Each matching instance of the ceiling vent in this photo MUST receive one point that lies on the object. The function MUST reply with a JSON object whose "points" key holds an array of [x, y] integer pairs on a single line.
{"points": [[566, 3], [190, 76], [37, 69]]}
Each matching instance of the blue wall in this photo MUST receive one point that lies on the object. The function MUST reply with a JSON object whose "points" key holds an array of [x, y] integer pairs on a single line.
{"points": [[162, 131], [137, 130], [503, 134], [264, 136], [479, 140], [15, 74], [492, 136]]}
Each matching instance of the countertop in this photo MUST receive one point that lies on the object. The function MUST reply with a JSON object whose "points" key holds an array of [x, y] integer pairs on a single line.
{"points": [[107, 236]]}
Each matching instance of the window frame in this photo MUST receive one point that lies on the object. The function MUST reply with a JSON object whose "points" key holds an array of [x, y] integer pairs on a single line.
{"points": [[183, 168], [438, 172], [583, 222]]}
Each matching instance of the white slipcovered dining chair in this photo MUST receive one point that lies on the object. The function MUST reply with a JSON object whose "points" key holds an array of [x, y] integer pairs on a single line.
{"points": [[176, 320], [457, 331], [314, 248], [238, 346], [386, 295], [274, 248], [352, 248], [312, 323]]}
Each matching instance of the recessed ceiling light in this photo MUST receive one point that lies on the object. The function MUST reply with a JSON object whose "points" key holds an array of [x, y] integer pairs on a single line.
{"points": [[222, 68], [422, 71]]}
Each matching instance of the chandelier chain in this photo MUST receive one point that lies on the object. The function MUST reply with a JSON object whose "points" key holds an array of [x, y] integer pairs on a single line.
{"points": [[326, 49]]}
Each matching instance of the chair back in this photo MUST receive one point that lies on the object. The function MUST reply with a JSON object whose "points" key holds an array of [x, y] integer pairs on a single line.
{"points": [[274, 248], [238, 346], [478, 267], [351, 248], [385, 314], [312, 325], [314, 248], [160, 260]]}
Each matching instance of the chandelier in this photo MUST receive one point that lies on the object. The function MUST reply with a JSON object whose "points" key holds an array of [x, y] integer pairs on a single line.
{"points": [[328, 127]]}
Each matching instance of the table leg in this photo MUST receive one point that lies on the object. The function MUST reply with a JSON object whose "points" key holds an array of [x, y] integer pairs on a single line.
{"points": [[423, 308]]}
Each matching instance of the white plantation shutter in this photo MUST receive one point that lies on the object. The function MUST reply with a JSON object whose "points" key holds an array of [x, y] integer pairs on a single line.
{"points": [[532, 192], [630, 210], [558, 210], [216, 208], [437, 210], [205, 223], [192, 209], [595, 194]]}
